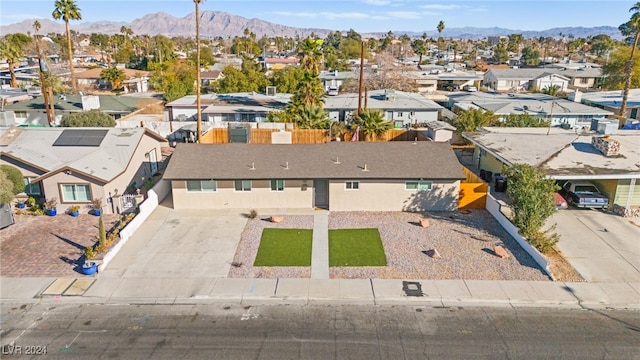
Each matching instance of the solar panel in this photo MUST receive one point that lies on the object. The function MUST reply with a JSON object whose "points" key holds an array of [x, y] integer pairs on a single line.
{"points": [[76, 137]]}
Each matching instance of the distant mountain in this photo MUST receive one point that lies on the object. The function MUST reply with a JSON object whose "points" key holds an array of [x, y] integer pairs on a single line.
{"points": [[216, 23]]}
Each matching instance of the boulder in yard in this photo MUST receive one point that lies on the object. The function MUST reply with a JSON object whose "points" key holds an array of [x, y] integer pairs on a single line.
{"points": [[277, 219], [424, 223], [500, 252]]}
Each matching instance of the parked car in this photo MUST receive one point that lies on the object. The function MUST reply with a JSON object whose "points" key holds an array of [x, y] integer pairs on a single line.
{"points": [[470, 88], [333, 91], [583, 194], [560, 202]]}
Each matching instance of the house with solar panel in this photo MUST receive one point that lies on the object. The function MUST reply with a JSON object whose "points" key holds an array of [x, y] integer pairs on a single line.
{"points": [[77, 165]]}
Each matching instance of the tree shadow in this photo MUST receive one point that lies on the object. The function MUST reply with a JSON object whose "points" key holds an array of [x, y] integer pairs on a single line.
{"points": [[436, 199], [74, 244], [489, 251]]}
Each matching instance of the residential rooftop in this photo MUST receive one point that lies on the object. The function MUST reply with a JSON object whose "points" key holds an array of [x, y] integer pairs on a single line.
{"points": [[335, 160], [612, 99], [377, 99]]}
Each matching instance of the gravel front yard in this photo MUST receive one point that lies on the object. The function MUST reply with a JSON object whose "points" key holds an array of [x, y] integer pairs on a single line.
{"points": [[465, 242]]}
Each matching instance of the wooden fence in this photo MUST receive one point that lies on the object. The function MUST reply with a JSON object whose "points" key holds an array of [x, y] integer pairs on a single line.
{"points": [[473, 191], [311, 136]]}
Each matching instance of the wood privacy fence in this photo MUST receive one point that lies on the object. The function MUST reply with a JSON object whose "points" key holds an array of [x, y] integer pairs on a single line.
{"points": [[311, 136], [473, 191]]}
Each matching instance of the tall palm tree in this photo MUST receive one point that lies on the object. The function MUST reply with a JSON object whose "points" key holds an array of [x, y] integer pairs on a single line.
{"points": [[440, 29], [372, 123], [11, 50], [312, 117], [68, 10], [199, 124], [630, 28], [310, 51]]}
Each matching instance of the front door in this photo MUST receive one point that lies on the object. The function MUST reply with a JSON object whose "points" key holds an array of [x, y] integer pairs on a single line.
{"points": [[153, 161], [321, 193]]}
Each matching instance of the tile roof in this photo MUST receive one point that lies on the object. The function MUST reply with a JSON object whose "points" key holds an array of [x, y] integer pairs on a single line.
{"points": [[335, 160]]}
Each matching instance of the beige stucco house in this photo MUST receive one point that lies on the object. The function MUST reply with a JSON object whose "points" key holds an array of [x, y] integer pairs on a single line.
{"points": [[339, 176], [77, 165]]}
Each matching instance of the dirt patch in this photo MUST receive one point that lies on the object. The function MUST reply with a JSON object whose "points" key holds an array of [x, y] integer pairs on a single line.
{"points": [[561, 268]]}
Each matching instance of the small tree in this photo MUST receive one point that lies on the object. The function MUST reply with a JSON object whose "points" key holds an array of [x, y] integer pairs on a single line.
{"points": [[470, 119], [14, 176], [114, 76], [6, 189], [372, 123], [92, 118], [532, 199]]}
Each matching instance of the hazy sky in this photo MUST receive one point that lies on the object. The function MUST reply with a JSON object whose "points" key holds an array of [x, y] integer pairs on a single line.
{"points": [[360, 15]]}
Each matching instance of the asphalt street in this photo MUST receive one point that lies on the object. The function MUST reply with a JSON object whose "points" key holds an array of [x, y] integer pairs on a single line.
{"points": [[220, 331]]}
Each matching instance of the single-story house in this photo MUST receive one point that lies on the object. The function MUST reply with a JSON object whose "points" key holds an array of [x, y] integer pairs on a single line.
{"points": [[612, 101], [559, 111], [279, 63], [335, 79], [565, 155], [513, 80], [135, 80], [33, 113], [235, 107], [402, 108], [440, 78], [210, 76], [339, 176], [77, 165]]}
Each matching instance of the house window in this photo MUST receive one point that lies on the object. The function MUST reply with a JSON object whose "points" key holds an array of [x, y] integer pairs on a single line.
{"points": [[399, 113], [243, 185], [277, 185], [21, 114], [418, 185], [201, 185], [352, 185], [584, 81], [31, 188], [76, 193]]}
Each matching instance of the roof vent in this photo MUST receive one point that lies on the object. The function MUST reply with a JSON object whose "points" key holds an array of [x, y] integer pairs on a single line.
{"points": [[365, 167], [253, 166], [286, 166], [337, 161]]}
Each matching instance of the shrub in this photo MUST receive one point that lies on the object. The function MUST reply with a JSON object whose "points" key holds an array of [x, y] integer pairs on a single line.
{"points": [[253, 214], [74, 208], [89, 253], [91, 118], [544, 241], [51, 203], [15, 177], [101, 231]]}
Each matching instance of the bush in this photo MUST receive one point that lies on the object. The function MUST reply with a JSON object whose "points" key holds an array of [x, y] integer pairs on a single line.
{"points": [[91, 118], [253, 214], [15, 177], [544, 241]]}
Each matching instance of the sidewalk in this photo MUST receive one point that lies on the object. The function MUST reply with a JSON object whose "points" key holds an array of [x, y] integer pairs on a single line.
{"points": [[436, 293]]}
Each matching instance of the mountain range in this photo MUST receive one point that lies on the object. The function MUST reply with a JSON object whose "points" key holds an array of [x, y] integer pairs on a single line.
{"points": [[216, 23]]}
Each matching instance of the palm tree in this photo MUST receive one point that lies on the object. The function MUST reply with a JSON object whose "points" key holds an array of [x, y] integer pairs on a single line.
{"points": [[68, 10], [440, 28], [309, 91], [630, 28], [310, 51], [47, 92], [199, 110], [372, 123], [11, 50], [312, 117], [420, 48]]}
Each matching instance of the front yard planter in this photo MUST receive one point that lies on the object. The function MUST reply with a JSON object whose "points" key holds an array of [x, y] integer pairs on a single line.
{"points": [[74, 213], [51, 212], [89, 268], [21, 205], [97, 212]]}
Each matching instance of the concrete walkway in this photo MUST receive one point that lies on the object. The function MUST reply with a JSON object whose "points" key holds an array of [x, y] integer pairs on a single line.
{"points": [[320, 246]]}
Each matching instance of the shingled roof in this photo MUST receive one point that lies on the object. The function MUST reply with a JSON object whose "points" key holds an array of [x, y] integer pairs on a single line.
{"points": [[336, 160]]}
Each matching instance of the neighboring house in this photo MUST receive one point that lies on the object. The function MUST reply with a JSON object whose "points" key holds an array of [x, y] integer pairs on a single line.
{"points": [[76, 165], [612, 101], [564, 155], [443, 79], [135, 80], [221, 108], [32, 112], [548, 80], [339, 176], [440, 131], [14, 95], [209, 77], [402, 108], [279, 63], [513, 80], [335, 79], [84, 42], [559, 111]]}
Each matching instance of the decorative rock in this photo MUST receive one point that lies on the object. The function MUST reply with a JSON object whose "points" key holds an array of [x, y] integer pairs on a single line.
{"points": [[434, 254], [277, 219], [500, 252], [424, 223]]}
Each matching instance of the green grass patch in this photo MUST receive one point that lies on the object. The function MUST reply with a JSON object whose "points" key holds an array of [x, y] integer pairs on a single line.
{"points": [[356, 247], [284, 247]]}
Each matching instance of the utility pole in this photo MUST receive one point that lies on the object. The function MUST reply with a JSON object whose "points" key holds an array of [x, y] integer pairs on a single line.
{"points": [[199, 110], [361, 78]]}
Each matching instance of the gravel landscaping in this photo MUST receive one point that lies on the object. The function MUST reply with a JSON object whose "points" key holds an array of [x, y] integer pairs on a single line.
{"points": [[465, 242]]}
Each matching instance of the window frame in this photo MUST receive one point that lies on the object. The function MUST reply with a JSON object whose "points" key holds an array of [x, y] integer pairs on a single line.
{"points": [[417, 185], [276, 188], [29, 185], [349, 185], [201, 189], [63, 200], [242, 185]]}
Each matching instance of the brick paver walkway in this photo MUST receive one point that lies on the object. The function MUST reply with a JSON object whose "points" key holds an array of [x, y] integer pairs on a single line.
{"points": [[45, 246]]}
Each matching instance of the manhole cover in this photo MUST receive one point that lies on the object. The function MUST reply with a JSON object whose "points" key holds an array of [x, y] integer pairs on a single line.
{"points": [[412, 288]]}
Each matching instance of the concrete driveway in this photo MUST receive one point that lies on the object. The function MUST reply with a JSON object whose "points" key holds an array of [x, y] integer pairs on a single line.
{"points": [[600, 246], [180, 244]]}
